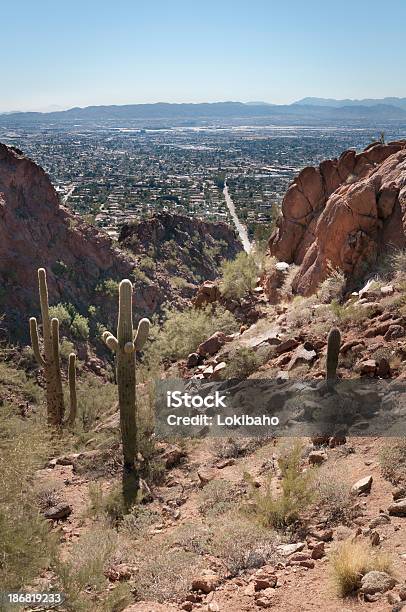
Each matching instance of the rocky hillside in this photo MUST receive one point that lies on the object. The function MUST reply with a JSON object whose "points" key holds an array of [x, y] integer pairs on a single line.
{"points": [[82, 263], [343, 214], [183, 250]]}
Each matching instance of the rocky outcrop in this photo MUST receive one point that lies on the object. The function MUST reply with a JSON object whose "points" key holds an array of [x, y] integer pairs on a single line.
{"points": [[342, 214], [177, 251]]}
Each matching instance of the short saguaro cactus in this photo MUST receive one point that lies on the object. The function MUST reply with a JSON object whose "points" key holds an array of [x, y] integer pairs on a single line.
{"points": [[333, 352]]}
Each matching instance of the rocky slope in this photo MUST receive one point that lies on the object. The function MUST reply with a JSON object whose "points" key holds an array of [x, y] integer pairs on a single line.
{"points": [[343, 214], [179, 248]]}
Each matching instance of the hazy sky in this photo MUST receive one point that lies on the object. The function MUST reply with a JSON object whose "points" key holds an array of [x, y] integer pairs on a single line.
{"points": [[77, 53]]}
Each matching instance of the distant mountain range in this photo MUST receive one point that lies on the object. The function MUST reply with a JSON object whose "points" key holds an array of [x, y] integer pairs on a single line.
{"points": [[314, 111], [332, 103]]}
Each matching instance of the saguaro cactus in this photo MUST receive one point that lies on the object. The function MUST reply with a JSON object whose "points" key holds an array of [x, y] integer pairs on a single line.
{"points": [[125, 345], [333, 351], [50, 361]]}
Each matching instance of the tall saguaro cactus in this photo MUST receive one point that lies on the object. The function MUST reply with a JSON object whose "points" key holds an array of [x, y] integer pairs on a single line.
{"points": [[125, 345], [333, 351], [50, 361]]}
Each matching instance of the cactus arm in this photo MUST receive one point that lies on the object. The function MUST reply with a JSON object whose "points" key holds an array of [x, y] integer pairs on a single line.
{"points": [[142, 334], [46, 322], [35, 341], [72, 389], [112, 343]]}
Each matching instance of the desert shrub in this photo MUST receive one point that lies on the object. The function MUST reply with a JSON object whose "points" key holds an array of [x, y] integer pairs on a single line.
{"points": [[136, 523], [108, 287], [398, 264], [80, 327], [226, 448], [286, 289], [94, 401], [242, 363], [20, 384], [351, 560], [83, 570], [280, 511], [26, 544], [333, 496], [66, 348], [178, 282], [109, 504], [147, 264], [61, 312], [165, 574], [393, 461], [300, 312], [216, 497], [241, 544], [47, 494], [239, 276], [182, 332], [192, 537], [332, 287]]}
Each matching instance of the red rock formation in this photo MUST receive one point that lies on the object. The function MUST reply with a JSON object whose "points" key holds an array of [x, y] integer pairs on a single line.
{"points": [[35, 230], [343, 213]]}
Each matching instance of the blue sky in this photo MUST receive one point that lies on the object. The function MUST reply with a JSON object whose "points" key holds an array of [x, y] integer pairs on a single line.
{"points": [[77, 53]]}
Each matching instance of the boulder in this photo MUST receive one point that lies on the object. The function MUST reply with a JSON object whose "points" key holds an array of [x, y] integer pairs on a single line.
{"points": [[398, 508], [206, 581], [289, 549], [318, 550], [213, 344], [301, 355], [376, 582], [193, 360], [207, 293], [317, 457], [264, 579], [362, 486], [286, 346], [58, 512], [173, 456], [205, 475]]}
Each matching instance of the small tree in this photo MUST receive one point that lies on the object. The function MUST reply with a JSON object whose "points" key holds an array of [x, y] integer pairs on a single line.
{"points": [[239, 276]]}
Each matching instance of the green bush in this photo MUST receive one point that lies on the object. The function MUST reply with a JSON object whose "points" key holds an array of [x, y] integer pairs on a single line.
{"points": [[80, 327], [239, 276], [243, 362], [182, 332], [61, 312], [108, 287], [280, 511]]}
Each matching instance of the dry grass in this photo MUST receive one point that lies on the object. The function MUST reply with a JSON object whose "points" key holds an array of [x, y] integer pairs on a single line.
{"points": [[165, 574], [333, 496], [332, 288], [217, 497], [242, 544], [393, 461], [351, 560], [26, 544]]}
